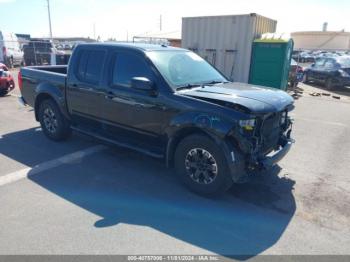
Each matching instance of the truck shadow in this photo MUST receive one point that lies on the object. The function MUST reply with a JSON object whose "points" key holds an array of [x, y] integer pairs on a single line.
{"points": [[124, 187]]}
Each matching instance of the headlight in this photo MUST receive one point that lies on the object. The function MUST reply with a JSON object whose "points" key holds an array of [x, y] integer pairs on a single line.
{"points": [[247, 125], [343, 73]]}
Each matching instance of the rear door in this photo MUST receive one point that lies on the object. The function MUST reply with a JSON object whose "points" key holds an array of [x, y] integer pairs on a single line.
{"points": [[85, 94]]}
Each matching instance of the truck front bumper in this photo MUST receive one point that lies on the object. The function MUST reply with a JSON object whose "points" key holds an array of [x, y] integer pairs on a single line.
{"points": [[271, 160]]}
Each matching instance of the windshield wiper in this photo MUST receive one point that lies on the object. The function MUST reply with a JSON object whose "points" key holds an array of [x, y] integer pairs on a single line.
{"points": [[188, 86], [214, 82]]}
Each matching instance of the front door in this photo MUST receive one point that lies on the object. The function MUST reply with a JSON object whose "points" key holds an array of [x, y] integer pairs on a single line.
{"points": [[135, 115]]}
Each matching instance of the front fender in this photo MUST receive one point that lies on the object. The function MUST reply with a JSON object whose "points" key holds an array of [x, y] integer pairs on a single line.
{"points": [[207, 122], [216, 127]]}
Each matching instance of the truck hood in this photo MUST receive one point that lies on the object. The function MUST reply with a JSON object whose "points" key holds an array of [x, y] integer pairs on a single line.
{"points": [[256, 99]]}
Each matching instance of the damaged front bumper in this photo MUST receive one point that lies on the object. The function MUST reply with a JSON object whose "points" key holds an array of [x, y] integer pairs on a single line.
{"points": [[271, 160], [247, 160]]}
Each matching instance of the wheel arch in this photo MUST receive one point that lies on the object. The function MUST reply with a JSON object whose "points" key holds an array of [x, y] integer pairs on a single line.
{"points": [[47, 91], [180, 135], [46, 96]]}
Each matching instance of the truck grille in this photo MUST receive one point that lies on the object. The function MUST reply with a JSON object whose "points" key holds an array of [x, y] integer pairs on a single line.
{"points": [[270, 132]]}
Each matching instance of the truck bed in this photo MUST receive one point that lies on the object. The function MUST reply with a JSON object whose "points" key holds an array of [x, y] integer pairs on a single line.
{"points": [[35, 77], [53, 69]]}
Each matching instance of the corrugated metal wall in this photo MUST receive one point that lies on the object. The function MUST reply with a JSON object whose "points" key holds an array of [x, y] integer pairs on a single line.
{"points": [[226, 41]]}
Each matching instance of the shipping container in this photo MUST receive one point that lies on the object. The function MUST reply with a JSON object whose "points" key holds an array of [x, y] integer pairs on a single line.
{"points": [[226, 41]]}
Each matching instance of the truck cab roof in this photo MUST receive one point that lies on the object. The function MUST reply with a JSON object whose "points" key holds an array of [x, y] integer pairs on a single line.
{"points": [[136, 46]]}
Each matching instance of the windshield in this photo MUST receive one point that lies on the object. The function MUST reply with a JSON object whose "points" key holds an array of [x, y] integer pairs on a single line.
{"points": [[184, 68]]}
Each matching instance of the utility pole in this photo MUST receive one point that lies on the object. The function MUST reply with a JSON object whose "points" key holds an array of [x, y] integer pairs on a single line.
{"points": [[49, 12], [53, 53], [94, 28]]}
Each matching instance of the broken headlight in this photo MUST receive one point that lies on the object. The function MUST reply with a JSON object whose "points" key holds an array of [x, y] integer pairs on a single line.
{"points": [[247, 125], [284, 118]]}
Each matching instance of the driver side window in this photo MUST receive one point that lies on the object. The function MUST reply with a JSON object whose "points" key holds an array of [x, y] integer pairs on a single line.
{"points": [[127, 66]]}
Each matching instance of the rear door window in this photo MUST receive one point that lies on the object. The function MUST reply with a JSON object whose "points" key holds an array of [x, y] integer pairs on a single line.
{"points": [[127, 66], [90, 66]]}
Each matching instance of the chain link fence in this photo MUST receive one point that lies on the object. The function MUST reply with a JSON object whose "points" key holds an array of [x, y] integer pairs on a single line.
{"points": [[35, 52]]}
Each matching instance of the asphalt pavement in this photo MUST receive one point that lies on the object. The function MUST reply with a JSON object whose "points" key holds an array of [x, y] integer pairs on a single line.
{"points": [[81, 197]]}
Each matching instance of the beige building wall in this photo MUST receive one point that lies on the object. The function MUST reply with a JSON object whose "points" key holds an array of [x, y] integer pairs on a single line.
{"points": [[321, 40]]}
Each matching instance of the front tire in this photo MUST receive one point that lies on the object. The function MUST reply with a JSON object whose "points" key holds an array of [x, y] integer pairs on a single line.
{"points": [[53, 123], [201, 166]]}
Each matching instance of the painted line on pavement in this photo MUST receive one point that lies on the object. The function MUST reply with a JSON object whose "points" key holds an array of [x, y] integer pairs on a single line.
{"points": [[29, 171], [15, 95]]}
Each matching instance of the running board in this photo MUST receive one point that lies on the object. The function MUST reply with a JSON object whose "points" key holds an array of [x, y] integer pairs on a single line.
{"points": [[111, 141]]}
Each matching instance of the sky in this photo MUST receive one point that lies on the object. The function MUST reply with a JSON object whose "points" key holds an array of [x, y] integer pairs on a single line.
{"points": [[120, 19]]}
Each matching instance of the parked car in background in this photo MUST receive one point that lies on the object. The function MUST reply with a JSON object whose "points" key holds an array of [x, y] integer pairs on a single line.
{"points": [[10, 50], [7, 82], [296, 54], [331, 72], [38, 52], [306, 57], [296, 74], [327, 55], [168, 103]]}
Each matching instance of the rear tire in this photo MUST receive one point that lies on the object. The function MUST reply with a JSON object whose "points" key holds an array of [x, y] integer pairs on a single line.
{"points": [[201, 166], [53, 123]]}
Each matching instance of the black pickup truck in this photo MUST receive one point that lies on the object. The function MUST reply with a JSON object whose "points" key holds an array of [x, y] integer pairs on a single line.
{"points": [[165, 102]]}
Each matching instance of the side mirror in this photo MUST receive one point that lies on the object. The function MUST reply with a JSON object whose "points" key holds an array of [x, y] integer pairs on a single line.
{"points": [[142, 83]]}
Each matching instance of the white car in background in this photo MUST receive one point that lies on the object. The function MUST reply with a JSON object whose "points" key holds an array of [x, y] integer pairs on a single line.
{"points": [[10, 50]]}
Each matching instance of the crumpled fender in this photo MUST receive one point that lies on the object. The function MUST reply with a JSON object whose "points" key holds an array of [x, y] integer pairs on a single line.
{"points": [[216, 127]]}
